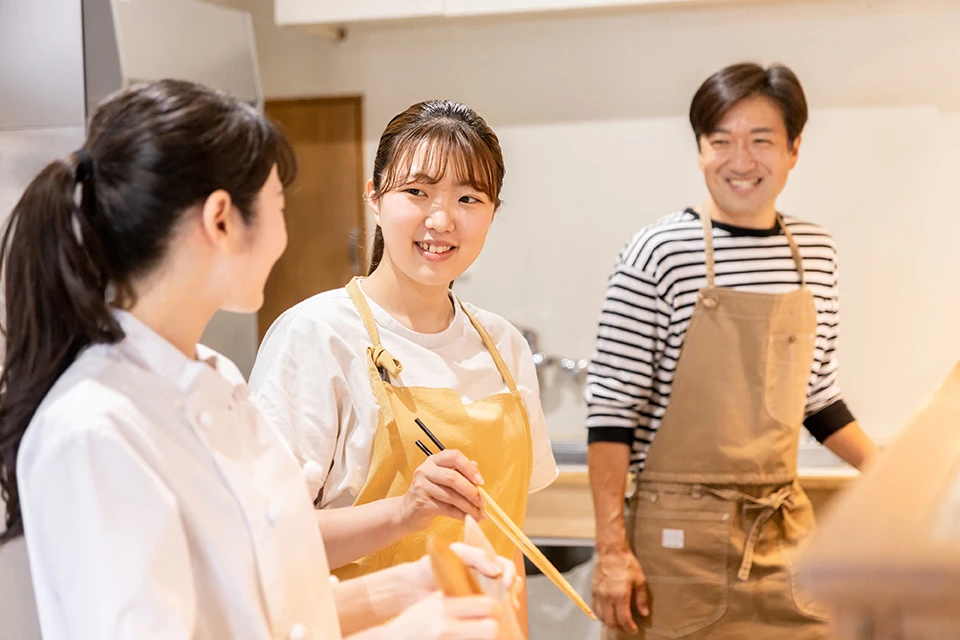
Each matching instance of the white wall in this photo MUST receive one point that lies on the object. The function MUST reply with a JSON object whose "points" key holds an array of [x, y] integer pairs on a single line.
{"points": [[591, 114]]}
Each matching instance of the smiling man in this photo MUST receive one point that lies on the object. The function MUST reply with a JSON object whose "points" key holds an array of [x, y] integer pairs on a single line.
{"points": [[716, 344]]}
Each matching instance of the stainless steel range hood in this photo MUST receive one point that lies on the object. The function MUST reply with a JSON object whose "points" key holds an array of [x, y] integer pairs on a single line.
{"points": [[129, 41], [59, 58]]}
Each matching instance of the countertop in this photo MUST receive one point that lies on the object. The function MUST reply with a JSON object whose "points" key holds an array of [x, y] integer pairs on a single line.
{"points": [[832, 477], [563, 512]]}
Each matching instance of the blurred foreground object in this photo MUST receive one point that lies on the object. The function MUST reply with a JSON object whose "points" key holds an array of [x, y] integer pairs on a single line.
{"points": [[456, 579], [886, 555]]}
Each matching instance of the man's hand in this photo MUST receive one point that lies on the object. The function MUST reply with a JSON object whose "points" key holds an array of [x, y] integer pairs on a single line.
{"points": [[617, 583]]}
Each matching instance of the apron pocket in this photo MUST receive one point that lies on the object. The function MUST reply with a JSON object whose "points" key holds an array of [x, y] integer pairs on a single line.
{"points": [[684, 557], [789, 363]]}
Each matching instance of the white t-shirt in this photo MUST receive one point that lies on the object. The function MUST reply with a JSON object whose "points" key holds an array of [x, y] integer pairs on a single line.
{"points": [[312, 382]]}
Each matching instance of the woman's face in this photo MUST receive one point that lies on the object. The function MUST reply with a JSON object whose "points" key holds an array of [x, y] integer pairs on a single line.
{"points": [[266, 240], [433, 227]]}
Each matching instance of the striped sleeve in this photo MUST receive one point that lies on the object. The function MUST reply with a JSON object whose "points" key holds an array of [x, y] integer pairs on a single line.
{"points": [[826, 411], [630, 337]]}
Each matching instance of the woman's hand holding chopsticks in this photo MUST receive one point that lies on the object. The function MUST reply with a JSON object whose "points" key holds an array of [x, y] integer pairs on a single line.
{"points": [[444, 485]]}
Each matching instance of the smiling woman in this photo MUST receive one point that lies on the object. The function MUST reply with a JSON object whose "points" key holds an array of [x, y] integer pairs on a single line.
{"points": [[346, 373], [417, 151]]}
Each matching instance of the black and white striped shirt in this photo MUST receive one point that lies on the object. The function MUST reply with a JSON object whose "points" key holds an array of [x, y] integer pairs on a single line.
{"points": [[650, 299]]}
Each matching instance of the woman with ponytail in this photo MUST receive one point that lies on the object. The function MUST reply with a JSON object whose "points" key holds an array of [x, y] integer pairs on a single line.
{"points": [[155, 499], [346, 374]]}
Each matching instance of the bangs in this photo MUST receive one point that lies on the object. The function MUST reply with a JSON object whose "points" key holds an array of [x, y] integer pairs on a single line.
{"points": [[428, 154]]}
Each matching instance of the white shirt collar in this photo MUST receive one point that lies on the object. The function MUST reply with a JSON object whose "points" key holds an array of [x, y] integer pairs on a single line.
{"points": [[155, 352]]}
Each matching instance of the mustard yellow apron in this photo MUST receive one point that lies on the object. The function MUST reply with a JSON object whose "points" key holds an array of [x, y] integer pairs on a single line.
{"points": [[717, 516], [493, 432]]}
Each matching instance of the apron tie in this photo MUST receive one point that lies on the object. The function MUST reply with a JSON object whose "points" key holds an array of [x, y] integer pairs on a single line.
{"points": [[382, 359], [767, 506]]}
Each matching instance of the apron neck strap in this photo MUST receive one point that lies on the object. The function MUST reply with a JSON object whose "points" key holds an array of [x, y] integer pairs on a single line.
{"points": [[708, 245], [360, 302], [794, 250], [380, 361], [492, 348], [708, 248]]}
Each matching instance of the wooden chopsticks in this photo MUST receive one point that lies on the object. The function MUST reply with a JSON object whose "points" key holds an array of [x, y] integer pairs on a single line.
{"points": [[503, 522]]}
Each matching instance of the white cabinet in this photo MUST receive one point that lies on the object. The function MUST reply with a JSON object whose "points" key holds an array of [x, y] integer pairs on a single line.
{"points": [[504, 7], [336, 12]]}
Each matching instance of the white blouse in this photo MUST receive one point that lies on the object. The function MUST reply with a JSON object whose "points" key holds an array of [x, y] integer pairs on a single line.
{"points": [[158, 503]]}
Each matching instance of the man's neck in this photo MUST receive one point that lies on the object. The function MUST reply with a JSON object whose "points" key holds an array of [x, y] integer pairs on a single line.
{"points": [[763, 219]]}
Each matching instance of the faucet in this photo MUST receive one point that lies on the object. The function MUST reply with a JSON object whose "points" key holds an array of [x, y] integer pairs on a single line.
{"points": [[576, 369]]}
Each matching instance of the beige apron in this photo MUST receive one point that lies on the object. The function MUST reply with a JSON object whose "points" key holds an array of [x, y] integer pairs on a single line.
{"points": [[493, 432], [718, 515]]}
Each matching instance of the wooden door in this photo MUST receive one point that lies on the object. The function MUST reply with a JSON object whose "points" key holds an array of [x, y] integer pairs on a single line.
{"points": [[325, 209]]}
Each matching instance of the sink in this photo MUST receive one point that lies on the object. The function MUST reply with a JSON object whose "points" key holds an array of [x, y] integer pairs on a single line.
{"points": [[570, 453], [811, 455], [815, 455]]}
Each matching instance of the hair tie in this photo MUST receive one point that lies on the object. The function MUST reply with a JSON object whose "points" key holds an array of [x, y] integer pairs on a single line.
{"points": [[84, 165]]}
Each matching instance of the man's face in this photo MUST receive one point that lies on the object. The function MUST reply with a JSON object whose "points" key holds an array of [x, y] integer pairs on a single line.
{"points": [[746, 159]]}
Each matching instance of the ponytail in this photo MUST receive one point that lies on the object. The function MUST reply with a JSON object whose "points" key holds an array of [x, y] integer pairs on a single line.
{"points": [[55, 279], [377, 253]]}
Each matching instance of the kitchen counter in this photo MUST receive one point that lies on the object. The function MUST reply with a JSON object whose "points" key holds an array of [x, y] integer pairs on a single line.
{"points": [[563, 512]]}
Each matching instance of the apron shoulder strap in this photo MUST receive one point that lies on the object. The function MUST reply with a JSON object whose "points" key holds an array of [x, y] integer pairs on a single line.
{"points": [[492, 348], [708, 245], [379, 358], [794, 250], [360, 302]]}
